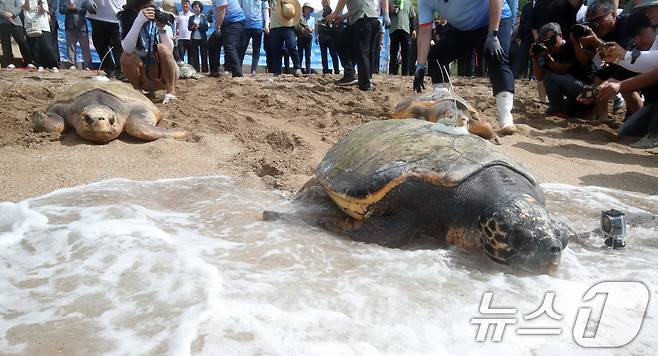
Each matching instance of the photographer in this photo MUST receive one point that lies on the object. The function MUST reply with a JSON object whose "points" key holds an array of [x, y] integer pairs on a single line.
{"points": [[554, 62], [147, 60], [603, 26]]}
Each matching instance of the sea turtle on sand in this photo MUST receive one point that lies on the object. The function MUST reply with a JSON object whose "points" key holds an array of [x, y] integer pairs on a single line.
{"points": [[100, 111], [452, 113], [187, 71], [397, 179]]}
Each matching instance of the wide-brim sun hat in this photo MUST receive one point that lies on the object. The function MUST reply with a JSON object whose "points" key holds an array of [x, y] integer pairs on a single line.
{"points": [[644, 4], [309, 5], [288, 12]]}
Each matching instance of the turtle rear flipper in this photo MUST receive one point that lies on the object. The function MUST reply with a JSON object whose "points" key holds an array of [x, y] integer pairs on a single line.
{"points": [[142, 124]]}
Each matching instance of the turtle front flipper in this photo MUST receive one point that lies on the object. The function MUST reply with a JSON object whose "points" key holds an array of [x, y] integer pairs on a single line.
{"points": [[141, 123], [391, 230], [53, 121]]}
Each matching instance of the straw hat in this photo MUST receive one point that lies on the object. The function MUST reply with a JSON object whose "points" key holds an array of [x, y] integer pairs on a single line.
{"points": [[309, 5], [288, 12]]}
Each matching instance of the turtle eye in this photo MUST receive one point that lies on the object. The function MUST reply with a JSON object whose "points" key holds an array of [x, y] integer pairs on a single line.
{"points": [[88, 119]]}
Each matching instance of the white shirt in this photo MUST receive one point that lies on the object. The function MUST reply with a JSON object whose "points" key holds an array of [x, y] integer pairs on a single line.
{"points": [[182, 21], [646, 62], [38, 21], [106, 10]]}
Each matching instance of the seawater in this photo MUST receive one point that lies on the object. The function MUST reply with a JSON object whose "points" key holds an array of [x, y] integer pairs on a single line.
{"points": [[186, 266]]}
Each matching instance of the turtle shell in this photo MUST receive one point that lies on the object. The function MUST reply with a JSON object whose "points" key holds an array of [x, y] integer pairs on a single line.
{"points": [[376, 157], [123, 91]]}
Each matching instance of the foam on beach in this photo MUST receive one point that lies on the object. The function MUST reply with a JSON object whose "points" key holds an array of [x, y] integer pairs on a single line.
{"points": [[186, 266]]}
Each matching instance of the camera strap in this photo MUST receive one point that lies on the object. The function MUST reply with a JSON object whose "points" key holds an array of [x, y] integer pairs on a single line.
{"points": [[152, 56]]}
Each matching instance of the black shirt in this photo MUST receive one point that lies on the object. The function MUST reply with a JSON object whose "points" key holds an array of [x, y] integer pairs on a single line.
{"points": [[619, 34], [566, 54], [559, 11], [525, 25]]}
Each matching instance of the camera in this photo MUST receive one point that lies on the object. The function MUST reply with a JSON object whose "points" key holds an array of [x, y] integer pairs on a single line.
{"points": [[163, 17], [613, 226], [580, 30], [538, 48], [589, 92]]}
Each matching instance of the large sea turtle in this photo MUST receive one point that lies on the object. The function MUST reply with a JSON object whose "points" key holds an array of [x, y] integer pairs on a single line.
{"points": [[397, 179], [450, 111], [100, 111]]}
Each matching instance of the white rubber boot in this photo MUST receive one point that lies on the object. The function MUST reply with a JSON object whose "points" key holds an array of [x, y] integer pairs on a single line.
{"points": [[504, 104]]}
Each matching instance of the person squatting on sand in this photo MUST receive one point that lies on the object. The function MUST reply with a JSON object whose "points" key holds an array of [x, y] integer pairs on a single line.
{"points": [[643, 59], [147, 60], [474, 24]]}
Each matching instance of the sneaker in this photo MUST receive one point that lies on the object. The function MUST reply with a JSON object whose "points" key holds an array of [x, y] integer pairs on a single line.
{"points": [[368, 87], [214, 75], [40, 69], [508, 130], [55, 70], [72, 68], [298, 72], [345, 81], [11, 66], [253, 72], [646, 142], [168, 98], [618, 104], [31, 66]]}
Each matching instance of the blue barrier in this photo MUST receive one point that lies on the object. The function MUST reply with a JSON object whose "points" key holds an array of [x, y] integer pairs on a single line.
{"points": [[316, 62]]}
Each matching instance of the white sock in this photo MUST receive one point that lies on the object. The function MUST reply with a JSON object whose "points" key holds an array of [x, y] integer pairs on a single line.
{"points": [[504, 104]]}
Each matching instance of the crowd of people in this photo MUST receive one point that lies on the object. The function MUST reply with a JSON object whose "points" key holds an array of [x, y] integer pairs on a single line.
{"points": [[582, 53]]}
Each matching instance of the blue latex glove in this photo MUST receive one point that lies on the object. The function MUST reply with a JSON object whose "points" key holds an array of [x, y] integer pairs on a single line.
{"points": [[387, 20], [492, 44]]}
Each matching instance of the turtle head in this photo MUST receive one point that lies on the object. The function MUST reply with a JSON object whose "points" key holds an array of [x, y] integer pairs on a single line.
{"points": [[99, 123], [521, 233]]}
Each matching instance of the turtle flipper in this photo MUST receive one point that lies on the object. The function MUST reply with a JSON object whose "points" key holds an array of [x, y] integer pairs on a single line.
{"points": [[141, 123], [53, 121], [390, 231]]}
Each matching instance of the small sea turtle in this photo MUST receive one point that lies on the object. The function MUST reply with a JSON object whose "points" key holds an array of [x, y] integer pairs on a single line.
{"points": [[451, 112], [397, 179], [186, 71], [100, 111]]}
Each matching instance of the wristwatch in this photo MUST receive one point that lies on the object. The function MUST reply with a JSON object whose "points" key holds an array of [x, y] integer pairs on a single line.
{"points": [[635, 53]]}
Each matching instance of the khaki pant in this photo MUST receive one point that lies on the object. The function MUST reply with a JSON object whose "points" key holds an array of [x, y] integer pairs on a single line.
{"points": [[74, 37]]}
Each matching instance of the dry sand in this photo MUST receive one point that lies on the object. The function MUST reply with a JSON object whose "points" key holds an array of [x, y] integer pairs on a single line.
{"points": [[275, 131]]}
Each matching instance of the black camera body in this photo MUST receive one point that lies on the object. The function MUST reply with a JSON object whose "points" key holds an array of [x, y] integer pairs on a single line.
{"points": [[580, 30], [538, 48], [163, 17], [589, 92]]}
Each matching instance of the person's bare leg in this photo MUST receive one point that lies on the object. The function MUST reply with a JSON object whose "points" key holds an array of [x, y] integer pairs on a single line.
{"points": [[633, 102], [169, 69], [601, 108], [131, 66]]}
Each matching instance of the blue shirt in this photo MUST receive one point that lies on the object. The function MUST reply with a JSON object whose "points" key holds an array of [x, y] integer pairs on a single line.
{"points": [[253, 10], [464, 15], [234, 12]]}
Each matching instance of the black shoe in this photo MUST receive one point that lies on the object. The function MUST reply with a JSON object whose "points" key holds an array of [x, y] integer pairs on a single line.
{"points": [[214, 74], [368, 87], [345, 81]]}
